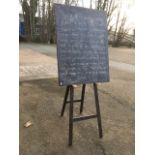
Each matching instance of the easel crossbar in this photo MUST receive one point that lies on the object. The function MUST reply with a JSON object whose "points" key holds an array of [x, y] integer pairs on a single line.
{"points": [[75, 119], [73, 101]]}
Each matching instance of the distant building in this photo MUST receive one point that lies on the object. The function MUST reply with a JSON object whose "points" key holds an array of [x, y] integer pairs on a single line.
{"points": [[22, 28], [21, 25]]}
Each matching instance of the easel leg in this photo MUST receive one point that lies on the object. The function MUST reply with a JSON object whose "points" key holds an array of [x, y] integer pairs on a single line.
{"points": [[71, 115], [98, 110], [65, 99], [82, 97]]}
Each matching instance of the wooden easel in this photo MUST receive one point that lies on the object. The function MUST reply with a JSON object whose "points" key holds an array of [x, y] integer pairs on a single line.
{"points": [[70, 89]]}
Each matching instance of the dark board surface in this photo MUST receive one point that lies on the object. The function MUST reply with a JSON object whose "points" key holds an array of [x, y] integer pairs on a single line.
{"points": [[82, 45]]}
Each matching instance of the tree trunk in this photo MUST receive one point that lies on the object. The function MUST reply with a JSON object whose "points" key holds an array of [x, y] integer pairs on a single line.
{"points": [[90, 4]]}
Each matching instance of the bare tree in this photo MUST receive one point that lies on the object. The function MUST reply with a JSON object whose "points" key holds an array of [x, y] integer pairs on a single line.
{"points": [[90, 4], [46, 16], [43, 21], [74, 2], [33, 10], [116, 28], [71, 2], [121, 31], [119, 27], [109, 7], [49, 3], [26, 15], [82, 3], [67, 2], [99, 3], [29, 9]]}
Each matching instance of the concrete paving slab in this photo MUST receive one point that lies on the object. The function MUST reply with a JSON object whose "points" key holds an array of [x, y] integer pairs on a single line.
{"points": [[122, 54], [35, 65], [122, 66]]}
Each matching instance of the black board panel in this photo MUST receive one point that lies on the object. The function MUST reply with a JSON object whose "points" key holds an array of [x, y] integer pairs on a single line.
{"points": [[82, 45]]}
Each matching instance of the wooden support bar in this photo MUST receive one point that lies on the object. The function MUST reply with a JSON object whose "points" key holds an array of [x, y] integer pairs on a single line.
{"points": [[82, 97], [75, 119], [73, 101], [64, 102], [71, 115], [98, 110]]}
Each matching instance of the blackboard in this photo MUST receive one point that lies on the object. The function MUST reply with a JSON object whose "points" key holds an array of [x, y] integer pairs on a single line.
{"points": [[82, 45]]}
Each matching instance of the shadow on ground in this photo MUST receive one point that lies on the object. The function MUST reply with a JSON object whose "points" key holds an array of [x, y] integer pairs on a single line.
{"points": [[41, 101]]}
